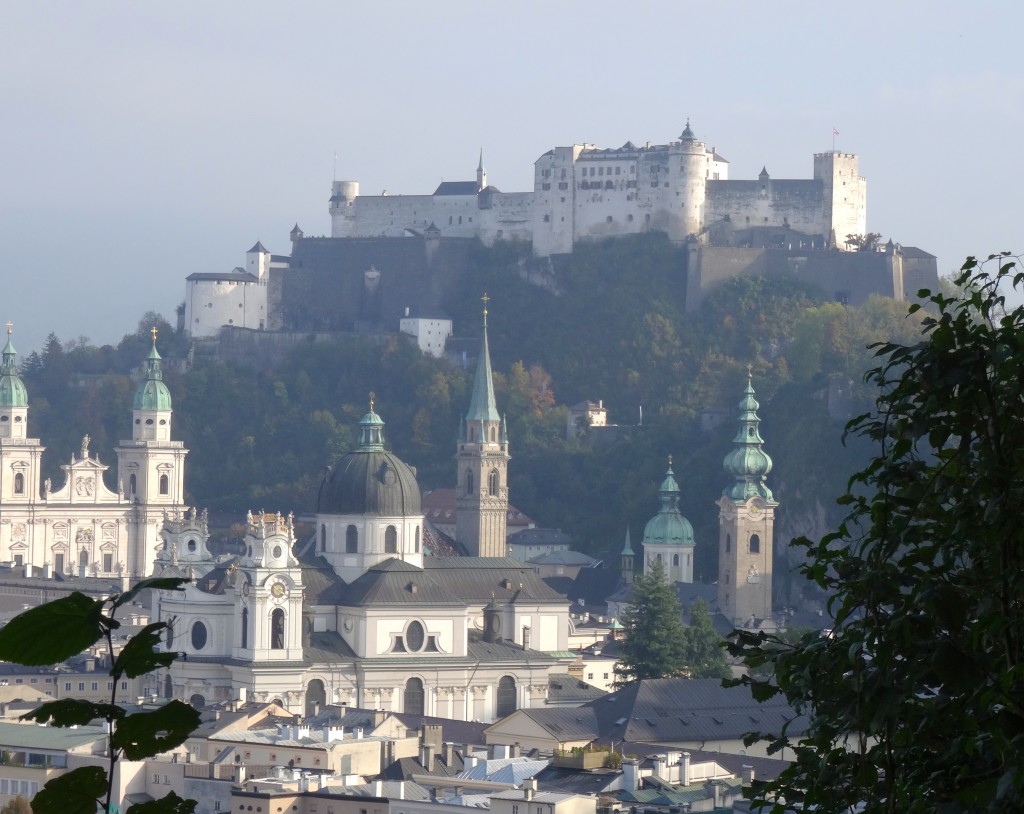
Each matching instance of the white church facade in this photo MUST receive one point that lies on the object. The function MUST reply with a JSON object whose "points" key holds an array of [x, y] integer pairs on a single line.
{"points": [[84, 526]]}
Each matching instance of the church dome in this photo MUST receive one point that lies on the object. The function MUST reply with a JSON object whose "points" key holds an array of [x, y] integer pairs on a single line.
{"points": [[153, 394], [668, 526], [12, 388], [370, 480]]}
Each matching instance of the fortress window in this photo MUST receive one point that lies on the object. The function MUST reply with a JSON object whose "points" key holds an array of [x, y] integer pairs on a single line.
{"points": [[600, 170], [351, 540], [755, 544], [618, 170], [608, 219], [19, 484], [629, 218], [545, 186], [592, 172], [563, 174], [547, 218]]}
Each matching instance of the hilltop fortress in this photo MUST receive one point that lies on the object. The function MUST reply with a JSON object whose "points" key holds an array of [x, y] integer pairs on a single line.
{"points": [[388, 255], [584, 192]]}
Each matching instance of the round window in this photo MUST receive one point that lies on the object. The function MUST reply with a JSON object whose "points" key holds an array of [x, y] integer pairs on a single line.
{"points": [[191, 545], [277, 552], [414, 636], [198, 636], [149, 420], [5, 418]]}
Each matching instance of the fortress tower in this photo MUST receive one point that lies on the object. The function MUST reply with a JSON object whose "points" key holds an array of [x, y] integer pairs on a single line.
{"points": [[691, 183], [746, 525], [481, 492], [342, 208], [844, 195]]}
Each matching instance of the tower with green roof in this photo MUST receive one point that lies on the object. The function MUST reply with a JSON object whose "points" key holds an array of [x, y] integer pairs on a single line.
{"points": [[151, 466], [20, 456], [746, 525], [481, 492], [668, 536]]}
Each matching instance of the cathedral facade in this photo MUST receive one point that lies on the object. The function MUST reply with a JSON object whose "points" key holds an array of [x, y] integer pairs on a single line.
{"points": [[359, 614], [83, 526]]}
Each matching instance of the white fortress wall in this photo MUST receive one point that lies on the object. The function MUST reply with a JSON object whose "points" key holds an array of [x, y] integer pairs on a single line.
{"points": [[748, 204]]}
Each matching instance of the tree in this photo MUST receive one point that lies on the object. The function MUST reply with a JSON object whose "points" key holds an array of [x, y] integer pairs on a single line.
{"points": [[704, 649], [654, 645], [863, 243], [18, 805], [915, 699], [57, 630]]}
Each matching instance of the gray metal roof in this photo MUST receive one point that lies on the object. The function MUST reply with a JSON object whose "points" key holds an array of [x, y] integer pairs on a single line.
{"points": [[228, 276], [457, 188]]}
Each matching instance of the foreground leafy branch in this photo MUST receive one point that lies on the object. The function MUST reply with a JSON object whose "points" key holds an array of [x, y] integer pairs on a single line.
{"points": [[914, 702], [58, 630]]}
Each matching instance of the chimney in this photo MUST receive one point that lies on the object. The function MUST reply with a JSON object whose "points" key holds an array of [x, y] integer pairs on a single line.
{"points": [[630, 774], [516, 750], [747, 773], [529, 788], [526, 637], [431, 752], [359, 733], [241, 694], [449, 754], [684, 770]]}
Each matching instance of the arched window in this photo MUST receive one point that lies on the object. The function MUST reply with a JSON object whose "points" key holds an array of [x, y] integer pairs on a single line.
{"points": [[165, 485], [323, 536], [675, 560], [277, 629], [351, 540], [197, 701], [493, 480], [728, 542], [133, 482], [413, 697], [83, 558], [506, 702], [245, 627], [469, 481], [755, 544], [416, 543], [390, 540], [494, 434], [19, 484], [316, 697]]}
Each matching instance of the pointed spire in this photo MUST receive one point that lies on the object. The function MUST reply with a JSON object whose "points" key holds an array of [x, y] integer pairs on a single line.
{"points": [[627, 548], [669, 490], [748, 463], [482, 406], [371, 430], [480, 166]]}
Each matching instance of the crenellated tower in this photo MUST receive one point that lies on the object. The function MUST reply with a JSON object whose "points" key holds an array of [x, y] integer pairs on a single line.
{"points": [[481, 492], [746, 525]]}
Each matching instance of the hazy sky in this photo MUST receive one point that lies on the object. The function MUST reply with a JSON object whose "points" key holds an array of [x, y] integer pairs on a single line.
{"points": [[142, 142]]}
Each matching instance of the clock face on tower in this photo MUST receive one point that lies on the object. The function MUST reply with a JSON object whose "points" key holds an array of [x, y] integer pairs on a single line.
{"points": [[278, 590]]}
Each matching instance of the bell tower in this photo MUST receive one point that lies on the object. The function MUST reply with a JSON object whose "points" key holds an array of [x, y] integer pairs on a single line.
{"points": [[746, 525], [481, 491]]}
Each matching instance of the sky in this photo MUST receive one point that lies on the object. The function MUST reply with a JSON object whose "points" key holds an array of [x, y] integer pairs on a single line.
{"points": [[142, 142]]}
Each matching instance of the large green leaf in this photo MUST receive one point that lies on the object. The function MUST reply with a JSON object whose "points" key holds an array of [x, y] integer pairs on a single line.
{"points": [[77, 792], [139, 655], [145, 734], [73, 712], [52, 632], [153, 583], [171, 804]]}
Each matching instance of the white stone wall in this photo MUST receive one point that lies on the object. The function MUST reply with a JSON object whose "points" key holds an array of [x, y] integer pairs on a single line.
{"points": [[211, 304], [431, 333]]}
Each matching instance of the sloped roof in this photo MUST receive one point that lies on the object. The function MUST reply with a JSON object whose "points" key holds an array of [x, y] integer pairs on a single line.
{"points": [[457, 188], [564, 688], [564, 558]]}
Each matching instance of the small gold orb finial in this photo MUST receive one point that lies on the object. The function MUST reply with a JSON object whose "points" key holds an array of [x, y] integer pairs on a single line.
{"points": [[373, 397]]}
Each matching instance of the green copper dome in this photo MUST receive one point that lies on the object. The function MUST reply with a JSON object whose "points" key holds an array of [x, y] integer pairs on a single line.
{"points": [[370, 480], [748, 463], [153, 393], [12, 388], [668, 526]]}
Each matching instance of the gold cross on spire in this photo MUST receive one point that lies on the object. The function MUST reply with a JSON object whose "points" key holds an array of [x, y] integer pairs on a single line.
{"points": [[152, 331], [485, 299], [372, 397], [10, 327]]}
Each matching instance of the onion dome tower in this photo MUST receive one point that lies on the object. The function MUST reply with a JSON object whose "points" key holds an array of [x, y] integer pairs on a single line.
{"points": [[20, 456], [481, 492], [668, 536], [746, 524], [150, 466], [368, 509]]}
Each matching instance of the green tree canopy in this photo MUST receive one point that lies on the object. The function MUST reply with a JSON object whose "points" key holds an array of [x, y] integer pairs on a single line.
{"points": [[704, 651], [915, 701], [655, 643]]}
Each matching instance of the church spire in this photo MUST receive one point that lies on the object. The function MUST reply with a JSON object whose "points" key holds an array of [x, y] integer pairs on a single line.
{"points": [[12, 389], [481, 173], [748, 463], [482, 406]]}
